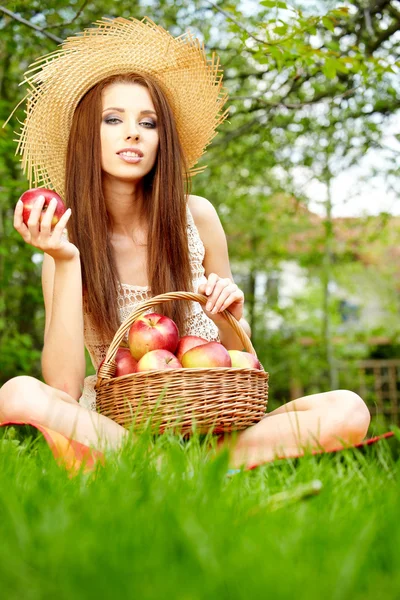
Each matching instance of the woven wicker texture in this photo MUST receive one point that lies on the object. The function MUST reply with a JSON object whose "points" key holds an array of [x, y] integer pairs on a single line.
{"points": [[56, 82], [219, 400]]}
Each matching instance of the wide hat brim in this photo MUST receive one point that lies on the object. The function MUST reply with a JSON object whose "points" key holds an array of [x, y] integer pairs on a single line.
{"points": [[191, 82]]}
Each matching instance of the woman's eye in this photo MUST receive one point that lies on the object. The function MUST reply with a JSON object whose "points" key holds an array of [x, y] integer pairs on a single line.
{"points": [[115, 120]]}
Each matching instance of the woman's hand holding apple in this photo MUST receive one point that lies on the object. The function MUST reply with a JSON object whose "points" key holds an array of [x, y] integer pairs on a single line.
{"points": [[222, 294], [37, 230]]}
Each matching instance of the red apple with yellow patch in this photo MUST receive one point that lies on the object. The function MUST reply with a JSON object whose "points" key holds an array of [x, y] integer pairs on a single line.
{"points": [[152, 332], [158, 360], [125, 363], [207, 356], [187, 342], [244, 360], [29, 198]]}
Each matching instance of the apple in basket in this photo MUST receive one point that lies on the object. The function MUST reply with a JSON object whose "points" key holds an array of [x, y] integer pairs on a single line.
{"points": [[186, 343], [152, 332], [244, 360], [29, 198], [207, 356], [125, 363], [158, 360]]}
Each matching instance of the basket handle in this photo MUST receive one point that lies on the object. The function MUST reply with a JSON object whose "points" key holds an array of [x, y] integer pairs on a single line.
{"points": [[107, 369]]}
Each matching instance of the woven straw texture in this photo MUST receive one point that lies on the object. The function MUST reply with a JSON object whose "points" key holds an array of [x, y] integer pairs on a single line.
{"points": [[206, 400], [56, 82]]}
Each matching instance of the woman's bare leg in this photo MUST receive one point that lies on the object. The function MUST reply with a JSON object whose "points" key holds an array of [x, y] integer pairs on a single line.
{"points": [[27, 399], [319, 422]]}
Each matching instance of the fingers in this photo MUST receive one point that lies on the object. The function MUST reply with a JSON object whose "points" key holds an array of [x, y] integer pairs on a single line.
{"points": [[228, 296], [219, 295], [47, 217], [62, 222], [233, 295], [60, 226], [222, 293], [39, 231], [213, 279], [34, 217], [19, 224]]}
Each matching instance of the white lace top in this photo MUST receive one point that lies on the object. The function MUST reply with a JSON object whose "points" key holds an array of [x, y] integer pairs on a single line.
{"points": [[129, 297]]}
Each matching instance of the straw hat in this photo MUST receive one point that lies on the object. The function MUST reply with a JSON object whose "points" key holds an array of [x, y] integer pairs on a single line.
{"points": [[57, 81]]}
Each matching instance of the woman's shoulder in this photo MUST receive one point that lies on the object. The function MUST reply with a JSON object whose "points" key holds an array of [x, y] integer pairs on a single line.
{"points": [[206, 219], [202, 211]]}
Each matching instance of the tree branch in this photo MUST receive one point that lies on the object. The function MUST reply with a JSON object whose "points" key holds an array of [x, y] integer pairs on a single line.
{"points": [[368, 21], [242, 75], [228, 137], [378, 6], [362, 22], [31, 25], [317, 98], [385, 35], [379, 107], [394, 12], [242, 27], [80, 10]]}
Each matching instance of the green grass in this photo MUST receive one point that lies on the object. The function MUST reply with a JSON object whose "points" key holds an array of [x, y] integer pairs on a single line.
{"points": [[162, 520]]}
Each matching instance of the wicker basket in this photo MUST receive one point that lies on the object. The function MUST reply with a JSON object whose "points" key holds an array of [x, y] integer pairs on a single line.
{"points": [[220, 400]]}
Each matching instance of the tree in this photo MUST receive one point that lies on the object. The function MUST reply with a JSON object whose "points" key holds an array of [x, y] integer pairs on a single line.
{"points": [[294, 77]]}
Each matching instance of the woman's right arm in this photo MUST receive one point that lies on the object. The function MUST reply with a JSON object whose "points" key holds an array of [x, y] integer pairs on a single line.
{"points": [[63, 356]]}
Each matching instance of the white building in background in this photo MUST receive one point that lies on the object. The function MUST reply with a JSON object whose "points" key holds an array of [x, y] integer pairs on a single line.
{"points": [[367, 304]]}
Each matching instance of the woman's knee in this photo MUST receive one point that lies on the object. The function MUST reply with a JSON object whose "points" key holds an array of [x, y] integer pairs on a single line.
{"points": [[17, 396], [354, 414]]}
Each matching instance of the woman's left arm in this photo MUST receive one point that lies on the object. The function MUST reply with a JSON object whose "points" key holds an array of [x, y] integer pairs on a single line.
{"points": [[220, 288]]}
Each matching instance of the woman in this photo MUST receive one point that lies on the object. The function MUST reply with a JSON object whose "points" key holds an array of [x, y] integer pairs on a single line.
{"points": [[115, 120]]}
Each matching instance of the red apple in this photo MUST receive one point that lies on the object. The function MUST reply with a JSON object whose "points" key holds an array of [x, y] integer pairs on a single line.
{"points": [[244, 360], [207, 356], [186, 343], [125, 363], [152, 332], [29, 197], [158, 360]]}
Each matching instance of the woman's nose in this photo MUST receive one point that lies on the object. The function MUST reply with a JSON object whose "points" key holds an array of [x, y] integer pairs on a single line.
{"points": [[132, 131], [132, 136]]}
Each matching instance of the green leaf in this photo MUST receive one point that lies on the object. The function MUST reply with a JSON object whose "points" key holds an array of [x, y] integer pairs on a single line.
{"points": [[328, 23], [343, 11], [281, 29], [277, 54], [329, 68], [274, 4], [340, 65]]}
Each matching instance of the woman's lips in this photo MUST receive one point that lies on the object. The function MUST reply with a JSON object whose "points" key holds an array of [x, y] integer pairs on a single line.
{"points": [[130, 159]]}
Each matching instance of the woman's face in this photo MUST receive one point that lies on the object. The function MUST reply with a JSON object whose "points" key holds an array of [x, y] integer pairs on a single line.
{"points": [[129, 132]]}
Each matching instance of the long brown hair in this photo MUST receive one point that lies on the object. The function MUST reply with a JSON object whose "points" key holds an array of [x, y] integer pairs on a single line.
{"points": [[164, 189]]}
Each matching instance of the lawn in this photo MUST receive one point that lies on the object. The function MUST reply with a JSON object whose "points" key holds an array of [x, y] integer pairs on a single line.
{"points": [[163, 520]]}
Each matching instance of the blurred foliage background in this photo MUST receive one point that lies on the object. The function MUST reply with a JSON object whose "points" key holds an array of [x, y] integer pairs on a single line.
{"points": [[313, 90]]}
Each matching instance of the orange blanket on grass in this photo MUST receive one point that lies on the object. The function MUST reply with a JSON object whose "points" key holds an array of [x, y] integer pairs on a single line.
{"points": [[69, 453], [73, 455]]}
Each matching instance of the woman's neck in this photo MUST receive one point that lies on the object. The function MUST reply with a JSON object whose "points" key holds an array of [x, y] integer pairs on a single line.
{"points": [[124, 202]]}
